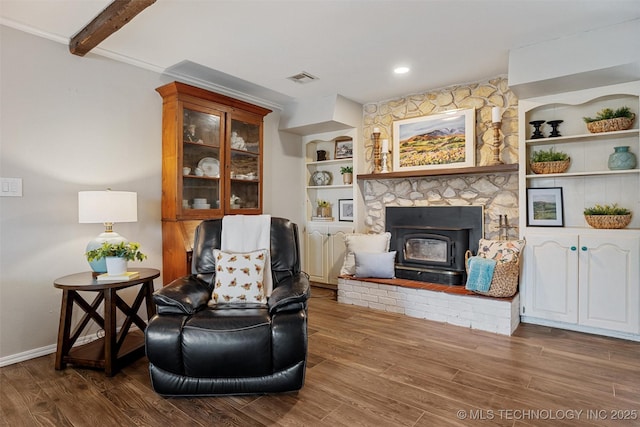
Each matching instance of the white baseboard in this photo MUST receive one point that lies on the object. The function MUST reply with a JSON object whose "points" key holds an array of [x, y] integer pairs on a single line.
{"points": [[580, 328], [27, 355], [46, 350]]}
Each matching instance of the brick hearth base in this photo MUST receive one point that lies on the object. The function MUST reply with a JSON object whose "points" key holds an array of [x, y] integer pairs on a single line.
{"points": [[448, 304]]}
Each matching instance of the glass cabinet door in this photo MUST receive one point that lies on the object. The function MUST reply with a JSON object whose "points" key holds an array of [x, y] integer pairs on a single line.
{"points": [[245, 172], [201, 163]]}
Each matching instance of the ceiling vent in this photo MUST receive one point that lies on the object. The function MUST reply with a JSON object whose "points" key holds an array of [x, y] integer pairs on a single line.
{"points": [[303, 78]]}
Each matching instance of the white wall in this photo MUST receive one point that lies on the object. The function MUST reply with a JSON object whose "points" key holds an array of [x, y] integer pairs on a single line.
{"points": [[70, 124], [593, 58], [283, 189]]}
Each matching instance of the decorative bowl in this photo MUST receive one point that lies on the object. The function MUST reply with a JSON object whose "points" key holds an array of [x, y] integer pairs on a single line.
{"points": [[611, 125], [608, 221], [550, 167]]}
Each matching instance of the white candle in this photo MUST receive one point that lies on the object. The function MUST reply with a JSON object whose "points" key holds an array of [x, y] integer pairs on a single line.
{"points": [[376, 130], [385, 145], [496, 114]]}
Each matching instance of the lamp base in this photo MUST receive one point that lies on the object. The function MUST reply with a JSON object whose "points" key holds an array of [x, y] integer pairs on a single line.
{"points": [[100, 265]]}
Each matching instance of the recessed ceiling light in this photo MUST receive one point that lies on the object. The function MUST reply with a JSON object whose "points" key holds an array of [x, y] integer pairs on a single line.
{"points": [[401, 70]]}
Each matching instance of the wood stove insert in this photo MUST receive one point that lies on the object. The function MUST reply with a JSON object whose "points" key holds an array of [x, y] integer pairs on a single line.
{"points": [[431, 241]]}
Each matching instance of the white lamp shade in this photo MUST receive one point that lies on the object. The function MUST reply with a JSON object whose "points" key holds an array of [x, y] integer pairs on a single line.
{"points": [[107, 206]]}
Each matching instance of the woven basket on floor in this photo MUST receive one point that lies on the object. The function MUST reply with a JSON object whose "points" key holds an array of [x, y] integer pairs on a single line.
{"points": [[608, 221], [504, 283], [550, 167], [611, 125]]}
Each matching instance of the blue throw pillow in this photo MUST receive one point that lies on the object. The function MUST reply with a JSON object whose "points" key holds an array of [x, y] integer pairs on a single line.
{"points": [[375, 265]]}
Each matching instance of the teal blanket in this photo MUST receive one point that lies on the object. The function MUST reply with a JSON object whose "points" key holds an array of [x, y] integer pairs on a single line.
{"points": [[480, 274]]}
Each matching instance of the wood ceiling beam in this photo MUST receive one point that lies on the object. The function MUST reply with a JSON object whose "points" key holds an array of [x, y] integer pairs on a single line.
{"points": [[110, 20]]}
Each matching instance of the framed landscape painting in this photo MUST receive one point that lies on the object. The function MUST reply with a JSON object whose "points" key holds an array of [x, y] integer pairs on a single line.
{"points": [[344, 148], [544, 207], [438, 141]]}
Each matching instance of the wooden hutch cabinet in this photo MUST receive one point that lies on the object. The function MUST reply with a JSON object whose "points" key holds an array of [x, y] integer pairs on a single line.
{"points": [[211, 166]]}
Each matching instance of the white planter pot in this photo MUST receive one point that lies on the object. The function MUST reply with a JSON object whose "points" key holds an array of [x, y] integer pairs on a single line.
{"points": [[116, 266]]}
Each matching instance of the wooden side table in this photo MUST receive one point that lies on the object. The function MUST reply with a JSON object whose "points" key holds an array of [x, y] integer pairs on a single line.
{"points": [[116, 347]]}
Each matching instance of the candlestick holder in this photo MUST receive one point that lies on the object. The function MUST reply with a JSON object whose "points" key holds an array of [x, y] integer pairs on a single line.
{"points": [[495, 147], [384, 163], [554, 128], [537, 133], [504, 228], [376, 152]]}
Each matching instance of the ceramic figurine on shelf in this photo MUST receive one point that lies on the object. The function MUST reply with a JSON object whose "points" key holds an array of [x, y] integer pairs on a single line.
{"points": [[237, 142], [189, 134], [235, 201]]}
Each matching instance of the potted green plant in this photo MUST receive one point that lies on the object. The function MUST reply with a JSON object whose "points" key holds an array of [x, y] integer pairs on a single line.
{"points": [[608, 120], [347, 174], [117, 255], [549, 161], [607, 216], [324, 208]]}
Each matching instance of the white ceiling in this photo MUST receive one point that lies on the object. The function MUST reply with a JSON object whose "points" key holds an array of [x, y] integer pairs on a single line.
{"points": [[351, 46]]}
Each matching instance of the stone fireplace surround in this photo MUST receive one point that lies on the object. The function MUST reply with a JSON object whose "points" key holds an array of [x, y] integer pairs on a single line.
{"points": [[496, 192]]}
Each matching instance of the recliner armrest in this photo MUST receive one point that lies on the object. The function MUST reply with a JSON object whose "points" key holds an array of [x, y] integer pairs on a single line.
{"points": [[185, 295], [290, 294]]}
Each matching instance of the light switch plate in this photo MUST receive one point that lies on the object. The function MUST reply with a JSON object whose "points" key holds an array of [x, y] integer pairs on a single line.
{"points": [[10, 187]]}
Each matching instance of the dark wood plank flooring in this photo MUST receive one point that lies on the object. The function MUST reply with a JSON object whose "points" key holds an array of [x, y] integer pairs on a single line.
{"points": [[366, 368]]}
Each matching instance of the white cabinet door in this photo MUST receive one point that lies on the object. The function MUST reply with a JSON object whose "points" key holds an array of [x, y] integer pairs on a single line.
{"points": [[551, 277], [316, 253], [609, 282], [337, 249], [324, 252]]}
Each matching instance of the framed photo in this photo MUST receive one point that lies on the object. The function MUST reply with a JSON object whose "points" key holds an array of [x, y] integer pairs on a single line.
{"points": [[344, 149], [438, 141], [345, 210], [544, 207]]}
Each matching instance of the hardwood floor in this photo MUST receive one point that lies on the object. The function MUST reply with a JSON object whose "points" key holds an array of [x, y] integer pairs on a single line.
{"points": [[366, 368]]}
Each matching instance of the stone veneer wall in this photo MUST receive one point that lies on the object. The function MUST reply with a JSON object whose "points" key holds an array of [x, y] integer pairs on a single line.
{"points": [[498, 193]]}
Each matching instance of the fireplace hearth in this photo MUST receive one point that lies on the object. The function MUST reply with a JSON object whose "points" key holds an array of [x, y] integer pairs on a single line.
{"points": [[431, 241]]}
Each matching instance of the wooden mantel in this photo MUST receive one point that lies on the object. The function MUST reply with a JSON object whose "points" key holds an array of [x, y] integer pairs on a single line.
{"points": [[476, 170]]}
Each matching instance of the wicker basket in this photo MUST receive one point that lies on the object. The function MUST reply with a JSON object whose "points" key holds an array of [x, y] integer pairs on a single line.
{"points": [[504, 283], [608, 221], [550, 167], [611, 125]]}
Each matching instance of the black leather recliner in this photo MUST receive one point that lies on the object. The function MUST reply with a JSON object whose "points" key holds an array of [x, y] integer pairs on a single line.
{"points": [[234, 348]]}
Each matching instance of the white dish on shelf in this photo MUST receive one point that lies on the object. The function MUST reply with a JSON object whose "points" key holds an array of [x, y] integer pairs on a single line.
{"points": [[244, 176], [210, 167]]}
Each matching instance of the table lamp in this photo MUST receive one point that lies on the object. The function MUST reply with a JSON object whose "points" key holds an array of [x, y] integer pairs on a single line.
{"points": [[107, 207]]}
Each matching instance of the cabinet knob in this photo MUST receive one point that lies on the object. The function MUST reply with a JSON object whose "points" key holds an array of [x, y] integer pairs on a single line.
{"points": [[573, 248], [584, 248], [328, 234]]}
